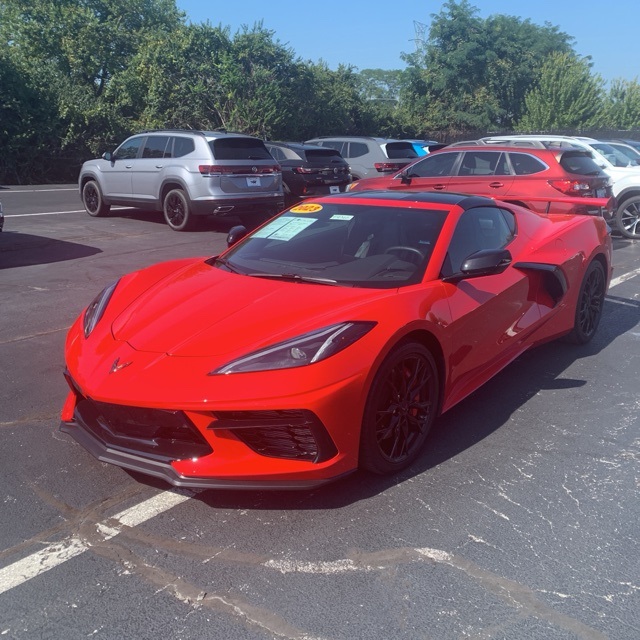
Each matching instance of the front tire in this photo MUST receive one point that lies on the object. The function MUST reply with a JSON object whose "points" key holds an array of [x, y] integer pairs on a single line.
{"points": [[628, 218], [177, 210], [400, 410], [93, 201], [590, 304]]}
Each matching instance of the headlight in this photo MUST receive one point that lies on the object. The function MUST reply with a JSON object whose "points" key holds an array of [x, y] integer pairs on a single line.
{"points": [[303, 350], [95, 310]]}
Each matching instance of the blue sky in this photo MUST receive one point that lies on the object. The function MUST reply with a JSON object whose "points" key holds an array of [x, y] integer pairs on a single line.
{"points": [[373, 33]]}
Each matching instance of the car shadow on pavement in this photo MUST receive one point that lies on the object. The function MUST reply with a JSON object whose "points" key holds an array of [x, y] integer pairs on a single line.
{"points": [[206, 223], [464, 426], [23, 250]]}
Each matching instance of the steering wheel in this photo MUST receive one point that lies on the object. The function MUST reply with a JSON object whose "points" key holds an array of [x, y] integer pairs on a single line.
{"points": [[403, 250]]}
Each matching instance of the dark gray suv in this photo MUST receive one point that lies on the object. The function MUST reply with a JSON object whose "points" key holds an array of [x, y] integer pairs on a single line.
{"points": [[186, 174]]}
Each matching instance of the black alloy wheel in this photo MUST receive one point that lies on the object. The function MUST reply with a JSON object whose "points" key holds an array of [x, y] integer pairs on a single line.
{"points": [[628, 218], [400, 409], [590, 304], [177, 212], [93, 201]]}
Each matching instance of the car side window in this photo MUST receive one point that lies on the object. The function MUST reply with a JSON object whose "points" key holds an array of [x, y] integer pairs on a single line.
{"points": [[277, 153], [525, 165], [438, 164], [128, 150], [357, 150], [156, 147], [483, 163], [478, 229], [182, 146], [341, 147]]}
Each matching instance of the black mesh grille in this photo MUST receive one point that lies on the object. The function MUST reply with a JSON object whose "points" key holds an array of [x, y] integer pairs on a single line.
{"points": [[155, 433], [292, 434]]}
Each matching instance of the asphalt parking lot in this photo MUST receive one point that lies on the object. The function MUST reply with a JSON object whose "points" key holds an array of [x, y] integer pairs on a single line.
{"points": [[520, 521]]}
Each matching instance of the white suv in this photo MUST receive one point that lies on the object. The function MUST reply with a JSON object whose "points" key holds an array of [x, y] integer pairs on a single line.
{"points": [[186, 174], [625, 180]]}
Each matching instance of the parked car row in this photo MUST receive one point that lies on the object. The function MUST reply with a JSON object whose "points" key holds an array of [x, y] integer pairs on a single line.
{"points": [[191, 174]]}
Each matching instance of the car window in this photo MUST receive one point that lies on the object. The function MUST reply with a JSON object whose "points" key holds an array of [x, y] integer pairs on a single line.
{"points": [[156, 147], [398, 150], [525, 165], [357, 150], [614, 156], [478, 229], [239, 149], [182, 146], [579, 162], [351, 244], [437, 164], [323, 155], [128, 149], [277, 153], [340, 147], [483, 163]]}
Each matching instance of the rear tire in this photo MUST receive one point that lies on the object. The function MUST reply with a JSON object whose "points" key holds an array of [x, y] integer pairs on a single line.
{"points": [[590, 304], [93, 201], [628, 218], [400, 410], [177, 210]]}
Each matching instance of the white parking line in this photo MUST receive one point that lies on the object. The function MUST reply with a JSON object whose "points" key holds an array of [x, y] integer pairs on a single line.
{"points": [[11, 191], [45, 213], [56, 554], [624, 277]]}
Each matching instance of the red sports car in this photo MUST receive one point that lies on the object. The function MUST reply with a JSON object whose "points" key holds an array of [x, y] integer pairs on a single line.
{"points": [[328, 339]]}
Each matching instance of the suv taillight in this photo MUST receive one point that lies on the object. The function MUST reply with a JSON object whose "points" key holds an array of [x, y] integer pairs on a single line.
{"points": [[218, 170], [305, 170], [389, 166], [572, 187]]}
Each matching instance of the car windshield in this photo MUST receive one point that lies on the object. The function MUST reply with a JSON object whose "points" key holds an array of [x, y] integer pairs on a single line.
{"points": [[341, 244]]}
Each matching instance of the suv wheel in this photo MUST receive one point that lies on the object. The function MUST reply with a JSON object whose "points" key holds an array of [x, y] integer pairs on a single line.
{"points": [[93, 201], [177, 212], [628, 218]]}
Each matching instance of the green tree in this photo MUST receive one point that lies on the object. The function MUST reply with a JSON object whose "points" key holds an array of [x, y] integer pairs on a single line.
{"points": [[567, 96], [622, 105], [473, 73]]}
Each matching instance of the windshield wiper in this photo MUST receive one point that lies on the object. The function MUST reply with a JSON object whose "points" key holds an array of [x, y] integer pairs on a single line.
{"points": [[295, 277], [226, 264]]}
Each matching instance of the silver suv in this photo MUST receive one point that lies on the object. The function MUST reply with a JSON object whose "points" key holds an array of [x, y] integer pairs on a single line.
{"points": [[370, 157], [186, 174]]}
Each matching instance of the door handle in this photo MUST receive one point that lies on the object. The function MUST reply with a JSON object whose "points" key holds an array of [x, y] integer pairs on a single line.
{"points": [[128, 166], [496, 185], [159, 166], [439, 187]]}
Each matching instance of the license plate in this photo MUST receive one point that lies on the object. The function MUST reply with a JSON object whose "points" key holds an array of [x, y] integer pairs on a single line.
{"points": [[253, 181], [335, 189], [600, 193]]}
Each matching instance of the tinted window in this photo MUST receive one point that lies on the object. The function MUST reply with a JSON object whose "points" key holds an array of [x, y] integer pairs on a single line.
{"points": [[478, 229], [357, 150], [525, 165], [340, 147], [354, 245], [396, 150], [239, 149], [277, 153], [182, 146], [438, 164], [324, 155], [579, 162], [129, 149], [156, 147], [483, 163]]}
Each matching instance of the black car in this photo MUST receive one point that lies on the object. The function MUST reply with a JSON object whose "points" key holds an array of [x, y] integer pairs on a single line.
{"points": [[309, 170]]}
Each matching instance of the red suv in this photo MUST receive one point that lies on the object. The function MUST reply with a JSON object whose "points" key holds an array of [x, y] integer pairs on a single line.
{"points": [[529, 177]]}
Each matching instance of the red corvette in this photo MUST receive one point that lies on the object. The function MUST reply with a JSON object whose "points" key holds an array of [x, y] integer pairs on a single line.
{"points": [[328, 339]]}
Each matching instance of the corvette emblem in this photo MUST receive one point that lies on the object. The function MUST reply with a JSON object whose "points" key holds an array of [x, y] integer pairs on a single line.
{"points": [[254, 169], [116, 366]]}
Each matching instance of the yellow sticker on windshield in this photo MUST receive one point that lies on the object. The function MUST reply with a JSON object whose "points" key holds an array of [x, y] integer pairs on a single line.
{"points": [[306, 208]]}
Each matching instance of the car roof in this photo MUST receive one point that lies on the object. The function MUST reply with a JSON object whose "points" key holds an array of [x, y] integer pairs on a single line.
{"points": [[300, 146], [463, 200]]}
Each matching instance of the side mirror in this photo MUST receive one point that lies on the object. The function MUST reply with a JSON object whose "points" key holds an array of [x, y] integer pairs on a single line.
{"points": [[487, 262], [236, 234], [405, 178], [108, 156]]}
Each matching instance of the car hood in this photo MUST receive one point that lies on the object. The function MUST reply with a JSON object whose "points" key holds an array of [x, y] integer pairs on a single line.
{"points": [[205, 311]]}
